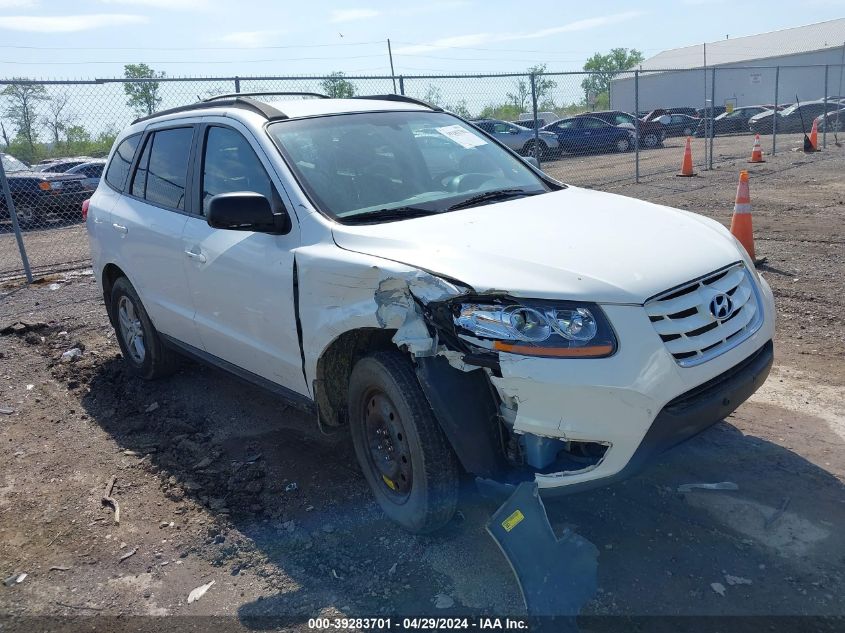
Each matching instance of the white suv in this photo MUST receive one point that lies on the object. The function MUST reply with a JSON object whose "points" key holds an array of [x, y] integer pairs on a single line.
{"points": [[392, 270]]}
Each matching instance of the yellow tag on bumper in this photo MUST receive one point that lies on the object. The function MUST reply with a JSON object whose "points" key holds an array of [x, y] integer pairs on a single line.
{"points": [[513, 520]]}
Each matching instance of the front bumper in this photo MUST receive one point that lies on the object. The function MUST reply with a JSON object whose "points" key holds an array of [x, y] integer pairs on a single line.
{"points": [[638, 402]]}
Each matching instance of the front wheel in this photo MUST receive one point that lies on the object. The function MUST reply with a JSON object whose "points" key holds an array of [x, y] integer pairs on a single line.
{"points": [[623, 145], [28, 215], [688, 131], [528, 149], [404, 454]]}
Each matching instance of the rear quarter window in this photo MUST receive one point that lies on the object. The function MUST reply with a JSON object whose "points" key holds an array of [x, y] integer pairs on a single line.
{"points": [[118, 168]]}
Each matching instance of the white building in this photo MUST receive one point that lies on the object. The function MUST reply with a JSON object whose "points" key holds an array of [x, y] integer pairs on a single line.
{"points": [[745, 70]]}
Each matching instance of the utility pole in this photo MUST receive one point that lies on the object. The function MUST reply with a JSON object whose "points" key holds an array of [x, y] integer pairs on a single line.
{"points": [[392, 72]]}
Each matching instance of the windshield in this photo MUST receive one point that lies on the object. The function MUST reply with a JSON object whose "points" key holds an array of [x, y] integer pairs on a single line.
{"points": [[10, 164], [402, 161], [789, 110]]}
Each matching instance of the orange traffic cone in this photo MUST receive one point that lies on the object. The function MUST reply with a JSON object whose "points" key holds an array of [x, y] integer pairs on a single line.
{"points": [[757, 151], [686, 165], [741, 220], [814, 136]]}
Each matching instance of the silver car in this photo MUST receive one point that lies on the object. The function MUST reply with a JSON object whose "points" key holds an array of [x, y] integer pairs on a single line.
{"points": [[92, 170], [518, 138]]}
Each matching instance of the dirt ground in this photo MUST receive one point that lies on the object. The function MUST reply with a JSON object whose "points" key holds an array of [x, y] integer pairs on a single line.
{"points": [[218, 481]]}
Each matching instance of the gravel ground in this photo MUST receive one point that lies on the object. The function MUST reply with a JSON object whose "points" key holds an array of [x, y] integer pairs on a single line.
{"points": [[217, 481]]}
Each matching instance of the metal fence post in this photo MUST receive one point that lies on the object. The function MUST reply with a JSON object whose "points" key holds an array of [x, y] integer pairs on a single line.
{"points": [[636, 126], [775, 115], [237, 84], [401, 84], [10, 205], [712, 116], [534, 110], [824, 130]]}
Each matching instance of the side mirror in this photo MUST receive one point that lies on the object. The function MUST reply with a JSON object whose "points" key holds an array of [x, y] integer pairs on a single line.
{"points": [[245, 211], [531, 161]]}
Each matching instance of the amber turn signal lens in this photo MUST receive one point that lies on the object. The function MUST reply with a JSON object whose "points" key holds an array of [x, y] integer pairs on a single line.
{"points": [[557, 352]]}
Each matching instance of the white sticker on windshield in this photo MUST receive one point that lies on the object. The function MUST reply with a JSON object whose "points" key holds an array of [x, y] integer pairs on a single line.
{"points": [[461, 136]]}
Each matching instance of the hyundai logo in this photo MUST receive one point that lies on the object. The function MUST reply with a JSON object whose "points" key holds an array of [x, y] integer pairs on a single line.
{"points": [[721, 306]]}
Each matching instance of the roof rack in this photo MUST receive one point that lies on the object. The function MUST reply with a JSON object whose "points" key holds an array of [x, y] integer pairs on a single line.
{"points": [[231, 95], [401, 99], [267, 111], [244, 100]]}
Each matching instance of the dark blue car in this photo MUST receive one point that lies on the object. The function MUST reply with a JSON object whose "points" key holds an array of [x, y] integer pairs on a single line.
{"points": [[584, 134]]}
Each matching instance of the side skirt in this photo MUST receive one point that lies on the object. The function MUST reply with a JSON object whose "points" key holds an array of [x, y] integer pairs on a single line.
{"points": [[303, 403]]}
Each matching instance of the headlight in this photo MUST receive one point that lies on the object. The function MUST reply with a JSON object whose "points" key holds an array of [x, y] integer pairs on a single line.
{"points": [[536, 328]]}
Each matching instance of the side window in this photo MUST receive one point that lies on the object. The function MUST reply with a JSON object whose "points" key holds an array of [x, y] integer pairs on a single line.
{"points": [[501, 128], [565, 125], [162, 172], [230, 164], [592, 123], [121, 161]]}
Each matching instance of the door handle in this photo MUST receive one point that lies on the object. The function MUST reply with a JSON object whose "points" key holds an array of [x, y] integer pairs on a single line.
{"points": [[197, 256], [120, 228]]}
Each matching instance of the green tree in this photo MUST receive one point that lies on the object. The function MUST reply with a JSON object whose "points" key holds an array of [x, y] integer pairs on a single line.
{"points": [[543, 87], [22, 100], [604, 68], [142, 96], [58, 118], [521, 97], [337, 87]]}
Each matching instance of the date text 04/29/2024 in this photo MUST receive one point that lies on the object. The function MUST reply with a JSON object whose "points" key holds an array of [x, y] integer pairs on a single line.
{"points": [[418, 624]]}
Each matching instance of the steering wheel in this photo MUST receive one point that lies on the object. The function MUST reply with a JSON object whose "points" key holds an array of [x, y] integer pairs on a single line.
{"points": [[462, 183]]}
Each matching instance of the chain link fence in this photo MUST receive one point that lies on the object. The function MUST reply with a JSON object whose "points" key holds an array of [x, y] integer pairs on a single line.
{"points": [[589, 129]]}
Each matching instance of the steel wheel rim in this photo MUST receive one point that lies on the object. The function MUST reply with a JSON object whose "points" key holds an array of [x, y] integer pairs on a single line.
{"points": [[388, 452], [131, 330]]}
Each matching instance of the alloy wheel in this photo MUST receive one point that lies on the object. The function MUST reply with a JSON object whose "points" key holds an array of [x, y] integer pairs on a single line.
{"points": [[131, 329]]}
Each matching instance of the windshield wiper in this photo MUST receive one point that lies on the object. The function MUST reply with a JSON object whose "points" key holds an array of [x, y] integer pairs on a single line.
{"points": [[489, 196], [396, 213]]}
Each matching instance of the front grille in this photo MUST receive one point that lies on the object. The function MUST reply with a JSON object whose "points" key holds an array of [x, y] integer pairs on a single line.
{"points": [[685, 322]]}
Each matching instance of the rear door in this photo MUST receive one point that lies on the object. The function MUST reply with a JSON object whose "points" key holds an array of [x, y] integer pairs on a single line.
{"points": [[242, 283], [567, 133], [148, 222]]}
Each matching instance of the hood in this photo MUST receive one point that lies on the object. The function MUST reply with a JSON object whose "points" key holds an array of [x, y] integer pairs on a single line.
{"points": [[44, 175], [570, 244]]}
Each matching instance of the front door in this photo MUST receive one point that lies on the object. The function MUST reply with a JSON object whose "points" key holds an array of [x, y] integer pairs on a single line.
{"points": [[241, 283]]}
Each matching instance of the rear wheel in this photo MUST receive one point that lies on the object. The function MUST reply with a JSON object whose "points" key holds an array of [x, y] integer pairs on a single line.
{"points": [[528, 148], [406, 459], [139, 341], [688, 131], [650, 139]]}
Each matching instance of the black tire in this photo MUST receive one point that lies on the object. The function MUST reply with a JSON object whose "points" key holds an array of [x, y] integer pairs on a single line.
{"points": [[651, 139], [416, 479], [157, 360], [688, 131], [528, 149], [28, 215]]}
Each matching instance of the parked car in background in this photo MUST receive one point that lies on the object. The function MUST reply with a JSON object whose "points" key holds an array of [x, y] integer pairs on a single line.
{"points": [[549, 117], [652, 133], [35, 193], [584, 134], [715, 111], [681, 125], [61, 165], [795, 118], [530, 124], [518, 138], [92, 172], [832, 121], [687, 111], [735, 122]]}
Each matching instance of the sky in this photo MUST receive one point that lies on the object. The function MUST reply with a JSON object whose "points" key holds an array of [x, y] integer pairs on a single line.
{"points": [[87, 39]]}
